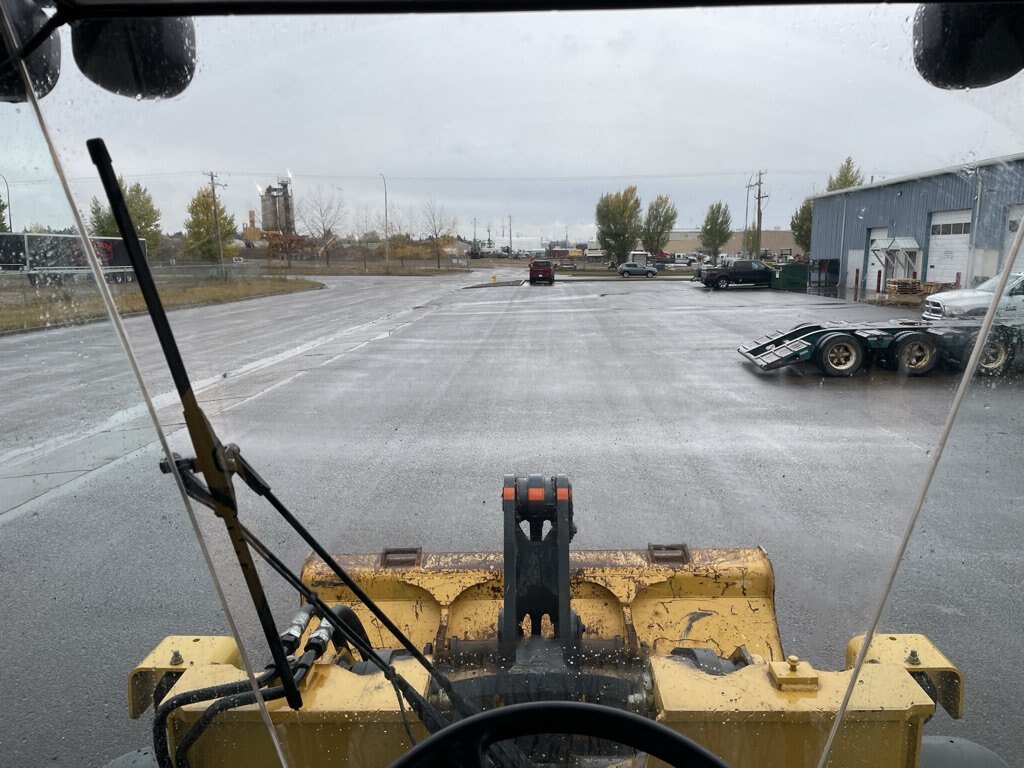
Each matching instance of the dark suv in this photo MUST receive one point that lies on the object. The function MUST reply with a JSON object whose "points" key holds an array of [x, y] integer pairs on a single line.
{"points": [[541, 271]]}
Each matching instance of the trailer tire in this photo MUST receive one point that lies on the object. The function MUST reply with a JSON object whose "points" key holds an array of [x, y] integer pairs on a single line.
{"points": [[839, 354], [996, 355], [916, 354], [722, 283]]}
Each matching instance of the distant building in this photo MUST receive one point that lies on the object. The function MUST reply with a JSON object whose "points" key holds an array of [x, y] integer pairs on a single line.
{"points": [[778, 243], [278, 209]]}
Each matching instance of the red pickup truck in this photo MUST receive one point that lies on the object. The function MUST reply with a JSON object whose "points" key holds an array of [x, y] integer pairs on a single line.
{"points": [[542, 271]]}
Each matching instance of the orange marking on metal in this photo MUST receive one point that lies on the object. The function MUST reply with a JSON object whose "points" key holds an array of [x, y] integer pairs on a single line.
{"points": [[508, 493], [563, 494], [535, 494]]}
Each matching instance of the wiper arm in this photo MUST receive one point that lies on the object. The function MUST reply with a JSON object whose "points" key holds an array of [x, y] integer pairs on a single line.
{"points": [[218, 463], [210, 454]]}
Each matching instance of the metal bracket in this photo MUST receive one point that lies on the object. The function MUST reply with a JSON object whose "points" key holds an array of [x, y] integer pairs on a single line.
{"points": [[536, 565]]}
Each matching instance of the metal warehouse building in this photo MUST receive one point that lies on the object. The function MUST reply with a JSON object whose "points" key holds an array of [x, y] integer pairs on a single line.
{"points": [[953, 225]]}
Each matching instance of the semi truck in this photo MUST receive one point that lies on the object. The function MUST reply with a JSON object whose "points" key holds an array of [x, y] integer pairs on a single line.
{"points": [[52, 258]]}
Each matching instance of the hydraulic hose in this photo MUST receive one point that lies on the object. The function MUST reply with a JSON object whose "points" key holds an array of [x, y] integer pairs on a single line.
{"points": [[163, 757], [351, 619], [289, 639], [238, 700]]}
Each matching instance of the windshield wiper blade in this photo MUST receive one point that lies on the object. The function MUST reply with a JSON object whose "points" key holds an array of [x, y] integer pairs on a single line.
{"points": [[210, 453], [218, 462]]}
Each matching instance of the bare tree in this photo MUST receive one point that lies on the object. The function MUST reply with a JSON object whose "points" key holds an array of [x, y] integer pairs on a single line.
{"points": [[394, 224], [322, 213], [439, 226]]}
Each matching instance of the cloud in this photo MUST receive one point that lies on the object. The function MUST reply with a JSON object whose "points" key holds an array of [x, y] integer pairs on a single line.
{"points": [[530, 114]]}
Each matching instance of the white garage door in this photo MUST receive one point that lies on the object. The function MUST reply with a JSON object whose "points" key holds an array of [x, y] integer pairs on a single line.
{"points": [[949, 244]]}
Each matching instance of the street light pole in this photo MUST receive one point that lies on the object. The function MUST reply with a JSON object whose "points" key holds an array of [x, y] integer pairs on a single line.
{"points": [[10, 220], [387, 234]]}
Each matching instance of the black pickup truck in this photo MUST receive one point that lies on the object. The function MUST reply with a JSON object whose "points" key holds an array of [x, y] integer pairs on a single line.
{"points": [[739, 272]]}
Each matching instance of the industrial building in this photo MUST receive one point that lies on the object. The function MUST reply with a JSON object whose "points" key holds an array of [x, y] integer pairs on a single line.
{"points": [[951, 226], [777, 243], [277, 208]]}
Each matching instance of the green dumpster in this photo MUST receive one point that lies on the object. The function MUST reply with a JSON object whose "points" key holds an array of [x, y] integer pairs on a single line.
{"points": [[790, 277]]}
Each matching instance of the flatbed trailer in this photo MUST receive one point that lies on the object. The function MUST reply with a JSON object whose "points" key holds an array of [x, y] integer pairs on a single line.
{"points": [[913, 347]]}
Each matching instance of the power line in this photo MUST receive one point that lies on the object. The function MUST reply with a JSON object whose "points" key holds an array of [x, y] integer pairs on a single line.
{"points": [[465, 179]]}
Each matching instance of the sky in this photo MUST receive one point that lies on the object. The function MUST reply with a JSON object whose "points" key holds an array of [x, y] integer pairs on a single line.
{"points": [[531, 116]]}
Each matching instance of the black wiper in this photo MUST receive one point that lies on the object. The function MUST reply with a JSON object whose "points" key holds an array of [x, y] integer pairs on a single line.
{"points": [[211, 458], [217, 463]]}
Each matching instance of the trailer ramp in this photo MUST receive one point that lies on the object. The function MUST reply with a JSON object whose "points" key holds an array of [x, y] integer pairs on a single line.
{"points": [[782, 348]]}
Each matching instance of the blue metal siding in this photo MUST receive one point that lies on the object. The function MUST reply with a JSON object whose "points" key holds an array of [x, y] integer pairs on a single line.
{"points": [[905, 208], [1001, 186]]}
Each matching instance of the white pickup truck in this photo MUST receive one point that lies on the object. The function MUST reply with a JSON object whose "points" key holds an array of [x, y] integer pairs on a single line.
{"points": [[974, 302]]}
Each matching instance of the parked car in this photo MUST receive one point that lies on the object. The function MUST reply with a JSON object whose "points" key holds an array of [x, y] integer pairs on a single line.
{"points": [[541, 271], [634, 268], [974, 302], [686, 259]]}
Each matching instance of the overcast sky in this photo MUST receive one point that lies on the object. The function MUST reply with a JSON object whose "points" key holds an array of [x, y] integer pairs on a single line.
{"points": [[528, 115]]}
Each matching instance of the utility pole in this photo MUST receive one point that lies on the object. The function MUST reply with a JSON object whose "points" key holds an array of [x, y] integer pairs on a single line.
{"points": [[10, 219], [387, 232], [475, 249], [759, 198], [216, 221], [746, 213], [510, 235]]}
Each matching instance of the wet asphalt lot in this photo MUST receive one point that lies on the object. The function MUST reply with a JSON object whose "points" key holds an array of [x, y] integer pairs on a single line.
{"points": [[384, 412]]}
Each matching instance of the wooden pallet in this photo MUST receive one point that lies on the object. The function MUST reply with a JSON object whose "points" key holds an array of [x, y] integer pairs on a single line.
{"points": [[900, 286], [931, 287]]}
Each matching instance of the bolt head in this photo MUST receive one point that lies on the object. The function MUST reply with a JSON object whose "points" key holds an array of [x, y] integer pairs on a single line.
{"points": [[176, 658]]}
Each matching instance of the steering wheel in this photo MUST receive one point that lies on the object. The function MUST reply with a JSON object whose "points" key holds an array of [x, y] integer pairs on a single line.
{"points": [[465, 742]]}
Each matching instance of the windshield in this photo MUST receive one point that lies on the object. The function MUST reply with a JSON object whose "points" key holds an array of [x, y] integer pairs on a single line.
{"points": [[992, 284], [340, 214]]}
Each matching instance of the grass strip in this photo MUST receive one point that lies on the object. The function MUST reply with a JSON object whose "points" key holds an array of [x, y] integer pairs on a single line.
{"points": [[28, 308]]}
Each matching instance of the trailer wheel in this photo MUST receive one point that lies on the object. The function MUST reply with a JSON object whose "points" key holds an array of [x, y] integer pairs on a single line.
{"points": [[839, 354], [916, 353], [996, 355], [722, 283]]}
